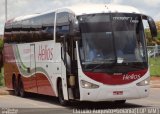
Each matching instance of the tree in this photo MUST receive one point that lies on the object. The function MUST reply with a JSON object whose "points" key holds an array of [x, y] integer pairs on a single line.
{"points": [[1, 55], [1, 60]]}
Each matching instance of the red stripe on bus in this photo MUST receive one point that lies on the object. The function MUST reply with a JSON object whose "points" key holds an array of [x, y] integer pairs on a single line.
{"points": [[119, 79]]}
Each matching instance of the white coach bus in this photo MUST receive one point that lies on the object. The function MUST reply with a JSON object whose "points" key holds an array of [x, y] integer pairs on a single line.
{"points": [[92, 52]]}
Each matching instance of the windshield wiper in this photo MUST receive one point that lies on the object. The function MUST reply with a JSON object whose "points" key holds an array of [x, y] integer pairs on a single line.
{"points": [[106, 62], [97, 66]]}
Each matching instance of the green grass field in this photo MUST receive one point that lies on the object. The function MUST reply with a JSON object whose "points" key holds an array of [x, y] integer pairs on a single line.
{"points": [[154, 66]]}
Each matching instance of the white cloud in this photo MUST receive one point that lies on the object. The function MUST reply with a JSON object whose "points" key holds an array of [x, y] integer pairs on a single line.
{"points": [[116, 1], [157, 17], [153, 3]]}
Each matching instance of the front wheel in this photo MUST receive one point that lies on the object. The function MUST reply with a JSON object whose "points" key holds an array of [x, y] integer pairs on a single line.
{"points": [[60, 94], [120, 101]]}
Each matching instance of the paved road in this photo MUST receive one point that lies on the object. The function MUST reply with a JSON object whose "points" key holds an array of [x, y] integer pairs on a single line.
{"points": [[39, 104]]}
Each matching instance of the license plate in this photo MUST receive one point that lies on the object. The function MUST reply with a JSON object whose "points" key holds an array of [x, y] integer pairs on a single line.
{"points": [[117, 92]]}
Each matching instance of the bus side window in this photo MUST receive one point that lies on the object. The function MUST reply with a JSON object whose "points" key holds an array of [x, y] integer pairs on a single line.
{"points": [[62, 25], [62, 30], [30, 36], [12, 37], [7, 35], [47, 33], [37, 34], [24, 35], [16, 35]]}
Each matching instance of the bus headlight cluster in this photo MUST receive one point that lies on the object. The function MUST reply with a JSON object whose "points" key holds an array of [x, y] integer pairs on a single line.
{"points": [[144, 82], [88, 85]]}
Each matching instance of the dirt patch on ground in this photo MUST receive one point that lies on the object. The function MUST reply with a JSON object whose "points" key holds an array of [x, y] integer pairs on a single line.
{"points": [[5, 91], [155, 78]]}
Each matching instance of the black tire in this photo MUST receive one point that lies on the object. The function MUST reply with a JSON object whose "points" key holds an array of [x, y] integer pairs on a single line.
{"points": [[60, 94], [15, 87], [120, 101], [21, 88]]}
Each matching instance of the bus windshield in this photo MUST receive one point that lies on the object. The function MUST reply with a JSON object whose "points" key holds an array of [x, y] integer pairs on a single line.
{"points": [[112, 39]]}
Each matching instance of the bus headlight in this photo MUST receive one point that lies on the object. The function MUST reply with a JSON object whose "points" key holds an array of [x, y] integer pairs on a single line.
{"points": [[88, 85], [144, 82]]}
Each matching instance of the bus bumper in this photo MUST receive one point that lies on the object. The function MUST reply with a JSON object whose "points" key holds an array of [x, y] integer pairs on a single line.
{"points": [[112, 93]]}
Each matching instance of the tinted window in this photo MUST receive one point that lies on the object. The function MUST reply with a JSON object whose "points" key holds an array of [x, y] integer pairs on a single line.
{"points": [[62, 25], [47, 33], [35, 29]]}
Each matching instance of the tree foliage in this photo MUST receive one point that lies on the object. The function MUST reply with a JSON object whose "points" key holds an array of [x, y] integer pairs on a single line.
{"points": [[1, 43], [1, 76]]}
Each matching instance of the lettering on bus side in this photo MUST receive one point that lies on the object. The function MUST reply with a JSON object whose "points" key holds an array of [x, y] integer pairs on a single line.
{"points": [[45, 53], [131, 77]]}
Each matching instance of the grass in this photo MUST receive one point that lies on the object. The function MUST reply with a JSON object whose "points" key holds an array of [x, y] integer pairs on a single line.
{"points": [[154, 66], [1, 78], [158, 35]]}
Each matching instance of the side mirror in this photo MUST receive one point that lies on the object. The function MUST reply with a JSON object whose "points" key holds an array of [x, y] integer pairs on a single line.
{"points": [[152, 26]]}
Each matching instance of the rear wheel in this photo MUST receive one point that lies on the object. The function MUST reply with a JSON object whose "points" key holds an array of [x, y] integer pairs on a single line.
{"points": [[60, 94], [15, 87], [21, 88]]}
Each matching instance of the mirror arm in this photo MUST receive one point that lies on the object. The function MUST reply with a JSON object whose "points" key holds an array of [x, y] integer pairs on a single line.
{"points": [[152, 25]]}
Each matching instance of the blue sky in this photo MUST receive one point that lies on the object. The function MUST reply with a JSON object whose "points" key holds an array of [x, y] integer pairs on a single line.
{"points": [[24, 7]]}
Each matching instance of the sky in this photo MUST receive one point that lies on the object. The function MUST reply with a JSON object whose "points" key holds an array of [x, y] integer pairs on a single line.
{"points": [[24, 7]]}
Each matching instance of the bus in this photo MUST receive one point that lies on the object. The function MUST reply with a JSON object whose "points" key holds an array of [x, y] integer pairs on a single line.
{"points": [[86, 52]]}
